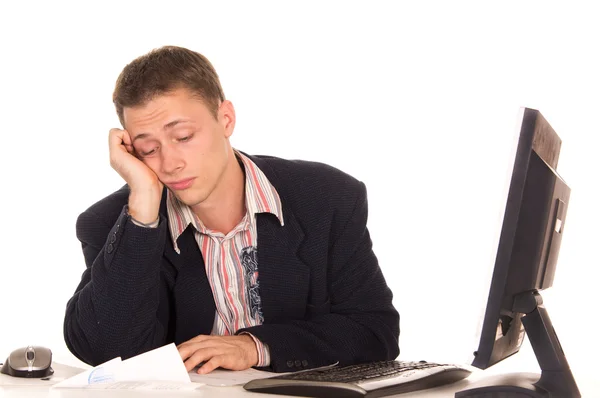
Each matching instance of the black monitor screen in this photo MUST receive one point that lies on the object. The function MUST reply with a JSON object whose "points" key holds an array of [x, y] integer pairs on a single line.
{"points": [[530, 238]]}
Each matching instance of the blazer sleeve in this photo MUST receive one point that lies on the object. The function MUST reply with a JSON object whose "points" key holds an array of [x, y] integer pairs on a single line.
{"points": [[361, 324], [114, 309]]}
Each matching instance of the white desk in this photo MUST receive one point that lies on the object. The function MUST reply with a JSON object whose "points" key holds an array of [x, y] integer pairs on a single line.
{"points": [[62, 371], [589, 387]]}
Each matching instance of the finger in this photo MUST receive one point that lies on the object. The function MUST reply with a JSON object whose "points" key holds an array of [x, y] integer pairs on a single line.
{"points": [[115, 136], [120, 137], [199, 338], [127, 138], [116, 139], [186, 350], [211, 365], [200, 356]]}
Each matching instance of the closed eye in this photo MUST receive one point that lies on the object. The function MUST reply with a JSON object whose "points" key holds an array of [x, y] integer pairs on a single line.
{"points": [[184, 139], [148, 153]]}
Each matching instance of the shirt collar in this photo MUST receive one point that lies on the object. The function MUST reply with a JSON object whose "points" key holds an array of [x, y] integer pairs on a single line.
{"points": [[261, 197]]}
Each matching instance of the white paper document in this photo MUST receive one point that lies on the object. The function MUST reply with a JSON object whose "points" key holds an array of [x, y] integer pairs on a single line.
{"points": [[224, 377], [161, 368]]}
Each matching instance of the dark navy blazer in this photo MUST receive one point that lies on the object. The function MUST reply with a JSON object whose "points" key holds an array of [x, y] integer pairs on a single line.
{"points": [[324, 298]]}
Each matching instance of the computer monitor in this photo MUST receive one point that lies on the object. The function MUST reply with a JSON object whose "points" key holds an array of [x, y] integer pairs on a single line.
{"points": [[526, 258]]}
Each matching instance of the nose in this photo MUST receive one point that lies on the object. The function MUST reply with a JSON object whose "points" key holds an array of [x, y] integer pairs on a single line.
{"points": [[171, 161]]}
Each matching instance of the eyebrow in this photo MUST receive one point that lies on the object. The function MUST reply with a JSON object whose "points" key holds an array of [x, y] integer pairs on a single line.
{"points": [[167, 126]]}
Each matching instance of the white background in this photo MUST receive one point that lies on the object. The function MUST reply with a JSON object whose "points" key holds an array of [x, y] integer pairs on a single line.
{"points": [[418, 99]]}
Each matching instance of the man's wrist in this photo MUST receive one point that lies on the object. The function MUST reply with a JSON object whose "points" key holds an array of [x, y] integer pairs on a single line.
{"points": [[145, 225], [143, 206], [262, 351]]}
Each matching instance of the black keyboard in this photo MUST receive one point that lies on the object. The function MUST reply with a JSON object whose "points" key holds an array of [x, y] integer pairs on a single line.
{"points": [[373, 379]]}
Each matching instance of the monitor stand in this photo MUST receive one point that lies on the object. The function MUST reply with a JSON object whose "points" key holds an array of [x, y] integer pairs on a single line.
{"points": [[556, 379]]}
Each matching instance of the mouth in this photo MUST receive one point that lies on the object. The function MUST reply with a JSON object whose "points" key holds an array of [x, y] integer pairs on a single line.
{"points": [[181, 184]]}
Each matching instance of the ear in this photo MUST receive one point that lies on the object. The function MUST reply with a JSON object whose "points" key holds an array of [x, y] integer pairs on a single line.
{"points": [[227, 117]]}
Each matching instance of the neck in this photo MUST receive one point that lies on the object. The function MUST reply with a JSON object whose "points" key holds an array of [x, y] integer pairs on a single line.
{"points": [[226, 206]]}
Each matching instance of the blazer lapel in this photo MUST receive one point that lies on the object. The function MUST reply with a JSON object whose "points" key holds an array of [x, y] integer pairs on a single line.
{"points": [[193, 298], [193, 301], [283, 277]]}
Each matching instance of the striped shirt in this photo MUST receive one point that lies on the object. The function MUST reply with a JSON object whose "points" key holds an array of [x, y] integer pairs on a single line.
{"points": [[230, 259]]}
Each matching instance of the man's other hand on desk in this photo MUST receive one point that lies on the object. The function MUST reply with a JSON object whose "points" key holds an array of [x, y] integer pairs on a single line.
{"points": [[229, 352]]}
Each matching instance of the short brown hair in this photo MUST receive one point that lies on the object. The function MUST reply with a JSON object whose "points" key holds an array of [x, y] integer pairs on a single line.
{"points": [[163, 70]]}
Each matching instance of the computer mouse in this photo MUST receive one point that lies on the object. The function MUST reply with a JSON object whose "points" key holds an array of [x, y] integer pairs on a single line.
{"points": [[30, 361]]}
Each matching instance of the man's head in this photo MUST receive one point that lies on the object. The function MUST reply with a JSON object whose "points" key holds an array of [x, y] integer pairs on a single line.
{"points": [[164, 70], [171, 103]]}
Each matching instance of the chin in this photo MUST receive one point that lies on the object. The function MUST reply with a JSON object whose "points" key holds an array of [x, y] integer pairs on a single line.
{"points": [[189, 197]]}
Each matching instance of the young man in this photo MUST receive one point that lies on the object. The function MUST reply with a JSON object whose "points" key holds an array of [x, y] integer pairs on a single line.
{"points": [[240, 260]]}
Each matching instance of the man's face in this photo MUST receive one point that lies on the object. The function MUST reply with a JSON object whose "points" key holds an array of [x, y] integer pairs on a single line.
{"points": [[179, 139]]}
